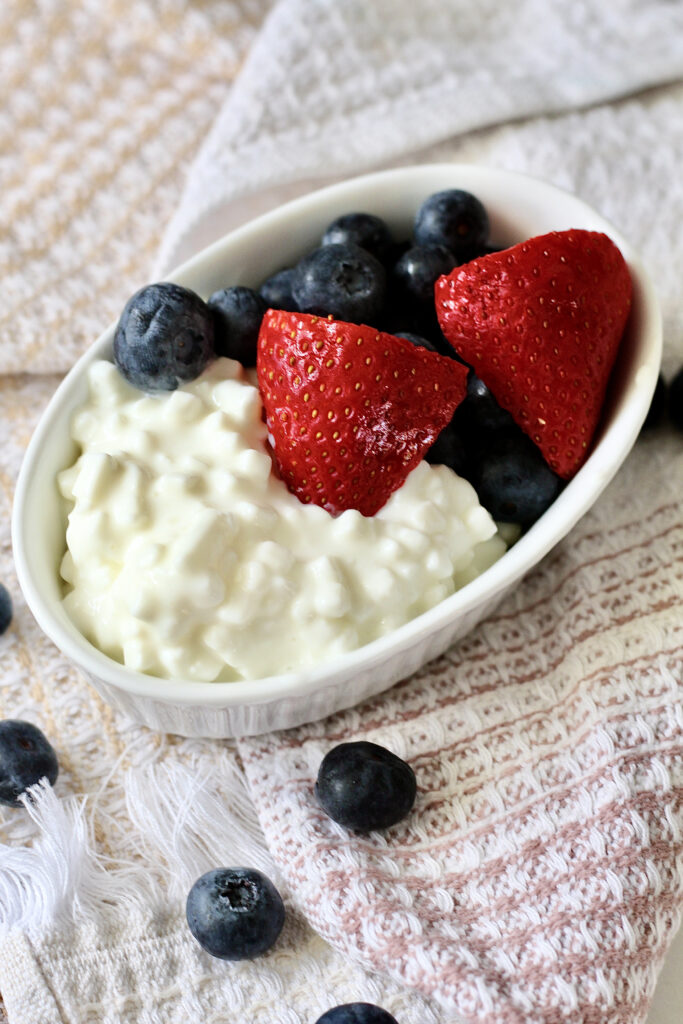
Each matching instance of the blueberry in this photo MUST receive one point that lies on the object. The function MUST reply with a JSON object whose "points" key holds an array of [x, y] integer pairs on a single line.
{"points": [[452, 450], [455, 219], [342, 280], [276, 292], [363, 229], [356, 1013], [5, 609], [164, 338], [235, 913], [417, 340], [364, 786], [479, 413], [676, 400], [425, 326], [477, 419], [418, 270], [238, 313], [512, 479], [655, 413], [26, 757]]}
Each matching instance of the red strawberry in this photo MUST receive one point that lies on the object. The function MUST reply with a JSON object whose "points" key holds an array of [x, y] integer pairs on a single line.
{"points": [[541, 323], [350, 410]]}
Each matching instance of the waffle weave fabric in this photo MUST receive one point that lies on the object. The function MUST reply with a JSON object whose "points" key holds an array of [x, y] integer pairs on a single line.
{"points": [[105, 103], [539, 879]]}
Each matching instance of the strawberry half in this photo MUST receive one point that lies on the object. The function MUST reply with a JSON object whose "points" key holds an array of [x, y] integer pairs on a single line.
{"points": [[541, 323], [350, 410]]}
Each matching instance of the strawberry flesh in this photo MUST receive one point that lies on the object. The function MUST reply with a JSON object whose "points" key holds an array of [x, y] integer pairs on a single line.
{"points": [[541, 323], [350, 410]]}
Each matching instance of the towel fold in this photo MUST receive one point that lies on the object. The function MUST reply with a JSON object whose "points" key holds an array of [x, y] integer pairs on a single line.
{"points": [[331, 88]]}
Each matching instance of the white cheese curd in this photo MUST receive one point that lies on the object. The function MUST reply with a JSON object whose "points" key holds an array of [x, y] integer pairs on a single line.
{"points": [[188, 558]]}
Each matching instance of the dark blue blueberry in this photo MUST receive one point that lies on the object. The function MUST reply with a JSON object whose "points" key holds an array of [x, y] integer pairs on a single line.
{"points": [[364, 786], [657, 410], [418, 270], [363, 229], [676, 400], [164, 338], [342, 280], [452, 450], [238, 313], [417, 340], [423, 324], [445, 347], [235, 913], [5, 609], [276, 292], [479, 413], [455, 219], [512, 479], [356, 1013], [26, 757]]}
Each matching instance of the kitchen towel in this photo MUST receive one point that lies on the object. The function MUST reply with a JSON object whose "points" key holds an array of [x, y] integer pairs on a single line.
{"points": [[539, 879]]}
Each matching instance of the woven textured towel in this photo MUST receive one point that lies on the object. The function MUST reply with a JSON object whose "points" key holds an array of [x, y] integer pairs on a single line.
{"points": [[540, 875], [539, 879], [330, 88], [104, 104]]}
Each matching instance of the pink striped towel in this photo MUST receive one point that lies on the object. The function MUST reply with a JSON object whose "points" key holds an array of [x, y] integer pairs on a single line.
{"points": [[539, 878]]}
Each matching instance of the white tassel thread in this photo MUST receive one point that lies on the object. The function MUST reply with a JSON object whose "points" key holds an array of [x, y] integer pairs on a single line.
{"points": [[197, 820], [192, 820], [60, 874]]}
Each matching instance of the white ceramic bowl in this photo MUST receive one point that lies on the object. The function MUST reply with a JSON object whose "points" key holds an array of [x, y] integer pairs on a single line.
{"points": [[519, 207]]}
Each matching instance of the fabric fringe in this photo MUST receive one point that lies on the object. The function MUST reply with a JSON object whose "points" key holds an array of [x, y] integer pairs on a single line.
{"points": [[61, 874], [197, 820], [190, 820]]}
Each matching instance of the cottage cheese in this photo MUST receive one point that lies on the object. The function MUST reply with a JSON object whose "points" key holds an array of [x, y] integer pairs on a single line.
{"points": [[188, 558]]}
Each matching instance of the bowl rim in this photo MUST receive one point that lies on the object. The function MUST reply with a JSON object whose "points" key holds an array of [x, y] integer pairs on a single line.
{"points": [[576, 498]]}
